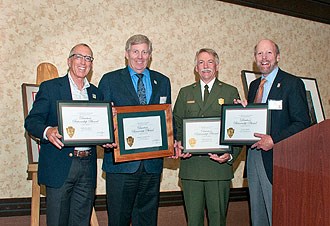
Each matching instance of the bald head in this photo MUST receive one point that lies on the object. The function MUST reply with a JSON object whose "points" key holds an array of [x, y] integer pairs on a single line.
{"points": [[267, 56], [270, 42]]}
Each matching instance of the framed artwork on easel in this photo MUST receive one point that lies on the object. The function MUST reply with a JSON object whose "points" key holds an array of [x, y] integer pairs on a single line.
{"points": [[29, 92]]}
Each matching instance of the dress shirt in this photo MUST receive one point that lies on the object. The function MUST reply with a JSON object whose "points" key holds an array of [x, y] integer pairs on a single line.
{"points": [[268, 84], [210, 84], [76, 95], [145, 79], [79, 95]]}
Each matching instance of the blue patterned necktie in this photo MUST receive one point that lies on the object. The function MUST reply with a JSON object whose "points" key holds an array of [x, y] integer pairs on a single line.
{"points": [[141, 90]]}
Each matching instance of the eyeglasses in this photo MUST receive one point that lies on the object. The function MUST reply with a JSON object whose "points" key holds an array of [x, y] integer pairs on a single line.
{"points": [[80, 57]]}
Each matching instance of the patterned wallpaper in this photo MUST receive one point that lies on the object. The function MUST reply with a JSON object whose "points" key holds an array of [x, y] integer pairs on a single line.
{"points": [[37, 31]]}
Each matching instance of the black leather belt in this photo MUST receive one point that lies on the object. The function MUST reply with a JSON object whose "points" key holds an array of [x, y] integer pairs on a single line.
{"points": [[81, 154]]}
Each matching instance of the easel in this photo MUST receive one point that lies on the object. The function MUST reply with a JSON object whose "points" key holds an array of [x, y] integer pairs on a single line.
{"points": [[45, 71]]}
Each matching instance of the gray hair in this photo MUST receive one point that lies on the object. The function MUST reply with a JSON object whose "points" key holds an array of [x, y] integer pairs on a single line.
{"points": [[138, 39], [80, 44], [207, 50]]}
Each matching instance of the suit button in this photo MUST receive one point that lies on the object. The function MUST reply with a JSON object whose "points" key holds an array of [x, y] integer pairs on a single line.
{"points": [[70, 154]]}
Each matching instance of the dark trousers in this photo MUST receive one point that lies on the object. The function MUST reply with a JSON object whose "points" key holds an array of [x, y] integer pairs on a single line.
{"points": [[132, 197], [71, 204]]}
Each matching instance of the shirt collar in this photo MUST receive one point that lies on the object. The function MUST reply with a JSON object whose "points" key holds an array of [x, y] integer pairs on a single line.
{"points": [[271, 76], [132, 72], [210, 84], [72, 83]]}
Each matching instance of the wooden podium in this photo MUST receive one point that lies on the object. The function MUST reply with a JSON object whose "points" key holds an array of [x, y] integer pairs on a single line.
{"points": [[301, 184]]}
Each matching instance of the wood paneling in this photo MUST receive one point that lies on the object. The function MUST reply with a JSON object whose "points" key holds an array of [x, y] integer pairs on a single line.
{"points": [[22, 206], [315, 10], [302, 178]]}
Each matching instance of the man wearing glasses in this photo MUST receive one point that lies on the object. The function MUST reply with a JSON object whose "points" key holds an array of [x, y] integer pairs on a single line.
{"points": [[69, 173]]}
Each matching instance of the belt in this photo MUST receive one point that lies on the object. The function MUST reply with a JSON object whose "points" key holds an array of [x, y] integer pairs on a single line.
{"points": [[81, 154]]}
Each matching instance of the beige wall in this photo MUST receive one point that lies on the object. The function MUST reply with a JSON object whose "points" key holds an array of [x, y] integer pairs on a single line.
{"points": [[36, 31]]}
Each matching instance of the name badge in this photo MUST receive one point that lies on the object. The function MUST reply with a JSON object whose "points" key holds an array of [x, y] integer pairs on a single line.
{"points": [[275, 104], [162, 100]]}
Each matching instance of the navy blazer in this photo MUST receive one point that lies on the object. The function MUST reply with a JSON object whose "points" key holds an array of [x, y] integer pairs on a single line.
{"points": [[54, 164], [117, 87], [292, 118]]}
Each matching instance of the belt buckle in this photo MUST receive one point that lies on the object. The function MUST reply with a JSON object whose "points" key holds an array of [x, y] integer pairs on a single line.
{"points": [[82, 153]]}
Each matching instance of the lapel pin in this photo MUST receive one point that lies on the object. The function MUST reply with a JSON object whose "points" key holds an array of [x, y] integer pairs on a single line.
{"points": [[278, 85], [221, 101], [94, 96], [155, 82]]}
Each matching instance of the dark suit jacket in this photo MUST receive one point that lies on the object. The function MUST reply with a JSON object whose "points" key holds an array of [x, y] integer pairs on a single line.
{"points": [[189, 104], [54, 164], [117, 87], [294, 115]]}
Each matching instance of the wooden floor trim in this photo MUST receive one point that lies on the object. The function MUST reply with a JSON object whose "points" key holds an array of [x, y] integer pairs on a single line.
{"points": [[22, 206]]}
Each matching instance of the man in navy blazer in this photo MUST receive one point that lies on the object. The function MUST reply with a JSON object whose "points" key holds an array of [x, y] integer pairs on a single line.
{"points": [[286, 98], [69, 173], [133, 187]]}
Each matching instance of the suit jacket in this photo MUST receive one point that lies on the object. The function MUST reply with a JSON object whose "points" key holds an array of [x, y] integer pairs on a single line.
{"points": [[117, 87], [189, 104], [54, 164], [292, 118]]}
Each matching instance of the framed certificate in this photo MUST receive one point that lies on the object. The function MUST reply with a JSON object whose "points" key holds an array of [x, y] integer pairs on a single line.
{"points": [[240, 123], [84, 123], [143, 132], [202, 136]]}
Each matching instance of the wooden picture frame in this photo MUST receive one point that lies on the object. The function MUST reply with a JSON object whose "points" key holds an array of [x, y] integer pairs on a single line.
{"points": [[29, 92], [316, 111], [143, 132]]}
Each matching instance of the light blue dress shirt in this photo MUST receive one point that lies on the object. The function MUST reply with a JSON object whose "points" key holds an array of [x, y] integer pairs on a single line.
{"points": [[145, 79], [268, 84]]}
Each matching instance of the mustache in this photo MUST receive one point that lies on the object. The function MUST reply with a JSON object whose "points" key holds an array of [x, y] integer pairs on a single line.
{"points": [[207, 70]]}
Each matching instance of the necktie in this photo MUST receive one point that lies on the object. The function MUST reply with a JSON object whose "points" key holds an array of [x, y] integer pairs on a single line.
{"points": [[258, 98], [141, 90], [206, 93]]}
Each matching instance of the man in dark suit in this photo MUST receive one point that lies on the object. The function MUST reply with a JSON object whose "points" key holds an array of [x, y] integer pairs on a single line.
{"points": [[133, 187], [286, 98], [205, 179], [69, 173]]}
